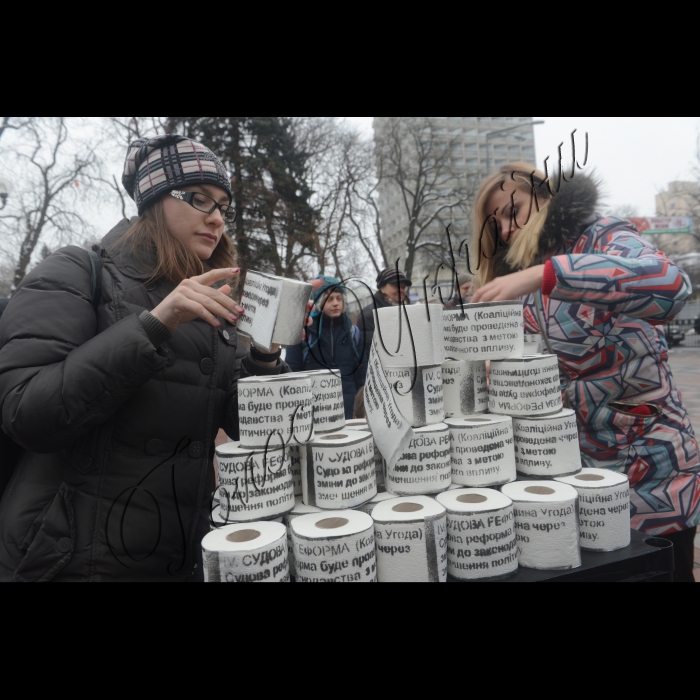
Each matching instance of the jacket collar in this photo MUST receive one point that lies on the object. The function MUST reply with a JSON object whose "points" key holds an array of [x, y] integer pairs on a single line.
{"points": [[137, 265]]}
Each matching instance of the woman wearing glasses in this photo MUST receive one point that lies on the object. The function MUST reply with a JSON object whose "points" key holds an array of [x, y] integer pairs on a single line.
{"points": [[116, 373]]}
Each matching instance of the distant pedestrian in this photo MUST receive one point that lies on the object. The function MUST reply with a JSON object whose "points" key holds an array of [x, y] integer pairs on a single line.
{"points": [[464, 293], [332, 341], [392, 290], [602, 293]]}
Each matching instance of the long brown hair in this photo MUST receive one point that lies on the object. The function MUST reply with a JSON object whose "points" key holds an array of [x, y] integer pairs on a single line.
{"points": [[174, 261], [493, 257]]}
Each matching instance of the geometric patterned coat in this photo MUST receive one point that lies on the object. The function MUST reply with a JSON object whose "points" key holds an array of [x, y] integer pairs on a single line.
{"points": [[614, 290]]}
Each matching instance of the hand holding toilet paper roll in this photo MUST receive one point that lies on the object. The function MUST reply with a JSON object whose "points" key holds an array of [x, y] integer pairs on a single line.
{"points": [[489, 331], [482, 451], [547, 447], [546, 524], [275, 410], [466, 389], [335, 547], [252, 553], [411, 535], [529, 386], [275, 310], [604, 509], [410, 336], [254, 485], [299, 510], [426, 467], [480, 533], [418, 394], [338, 471], [328, 401]]}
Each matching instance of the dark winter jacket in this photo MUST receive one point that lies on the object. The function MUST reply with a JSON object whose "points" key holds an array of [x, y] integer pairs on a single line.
{"points": [[116, 472], [367, 328], [334, 350]]}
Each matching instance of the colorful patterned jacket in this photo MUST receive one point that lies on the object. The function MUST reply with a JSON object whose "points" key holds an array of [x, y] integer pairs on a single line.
{"points": [[612, 293]]}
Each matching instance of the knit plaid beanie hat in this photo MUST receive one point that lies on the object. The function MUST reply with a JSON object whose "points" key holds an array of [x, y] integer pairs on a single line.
{"points": [[157, 166]]}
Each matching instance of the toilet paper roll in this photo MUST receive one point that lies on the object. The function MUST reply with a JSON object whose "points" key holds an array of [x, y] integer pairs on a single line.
{"points": [[480, 534], [357, 425], [382, 496], [418, 394], [466, 388], [482, 451], [254, 485], [426, 468], [546, 524], [275, 309], [379, 463], [547, 447], [328, 401], [299, 510], [411, 535], [604, 509], [275, 410], [335, 547], [417, 342], [489, 331], [253, 553], [526, 387], [338, 471], [295, 458]]}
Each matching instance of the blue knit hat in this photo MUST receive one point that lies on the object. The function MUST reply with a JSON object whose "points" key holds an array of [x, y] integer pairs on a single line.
{"points": [[329, 284]]}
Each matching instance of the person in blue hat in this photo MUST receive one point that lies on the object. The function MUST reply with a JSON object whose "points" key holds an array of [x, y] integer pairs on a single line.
{"points": [[332, 341]]}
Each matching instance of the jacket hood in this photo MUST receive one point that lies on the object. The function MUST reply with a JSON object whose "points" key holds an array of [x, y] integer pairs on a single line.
{"points": [[571, 211]]}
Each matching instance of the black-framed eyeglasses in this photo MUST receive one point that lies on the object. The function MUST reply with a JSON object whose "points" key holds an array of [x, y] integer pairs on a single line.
{"points": [[205, 203]]}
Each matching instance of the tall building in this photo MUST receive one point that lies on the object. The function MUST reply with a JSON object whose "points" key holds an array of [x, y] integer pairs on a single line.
{"points": [[680, 199], [469, 148]]}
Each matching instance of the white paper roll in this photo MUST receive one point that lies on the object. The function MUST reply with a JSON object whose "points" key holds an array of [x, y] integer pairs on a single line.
{"points": [[275, 309], [480, 534], [253, 553], [419, 395], [254, 485], [295, 458], [604, 511], [275, 410], [482, 451], [379, 463], [426, 468], [411, 536], [546, 525], [416, 343], [335, 547], [529, 386], [489, 331], [466, 388], [338, 471], [382, 496], [299, 510], [329, 401], [547, 447]]}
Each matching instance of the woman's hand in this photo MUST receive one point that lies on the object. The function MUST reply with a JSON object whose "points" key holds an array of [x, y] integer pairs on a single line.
{"points": [[195, 298], [512, 286]]}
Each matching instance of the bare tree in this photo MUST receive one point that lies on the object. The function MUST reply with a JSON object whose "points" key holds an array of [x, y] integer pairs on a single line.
{"points": [[12, 124], [53, 170], [414, 161]]}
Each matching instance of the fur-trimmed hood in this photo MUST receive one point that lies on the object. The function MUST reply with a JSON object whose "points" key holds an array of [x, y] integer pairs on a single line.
{"points": [[571, 211]]}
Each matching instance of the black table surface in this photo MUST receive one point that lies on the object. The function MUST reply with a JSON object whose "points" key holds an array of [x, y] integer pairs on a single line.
{"points": [[646, 560]]}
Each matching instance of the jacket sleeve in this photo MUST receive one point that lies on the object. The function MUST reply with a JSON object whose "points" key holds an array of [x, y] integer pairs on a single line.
{"points": [[58, 378], [626, 275], [531, 324]]}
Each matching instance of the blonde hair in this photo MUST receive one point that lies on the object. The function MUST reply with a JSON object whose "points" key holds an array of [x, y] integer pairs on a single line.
{"points": [[174, 261], [493, 257]]}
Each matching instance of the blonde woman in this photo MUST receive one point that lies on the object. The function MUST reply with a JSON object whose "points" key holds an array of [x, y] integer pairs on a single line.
{"points": [[602, 293]]}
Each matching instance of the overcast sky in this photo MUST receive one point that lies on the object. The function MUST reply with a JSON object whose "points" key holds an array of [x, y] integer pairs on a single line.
{"points": [[635, 157]]}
